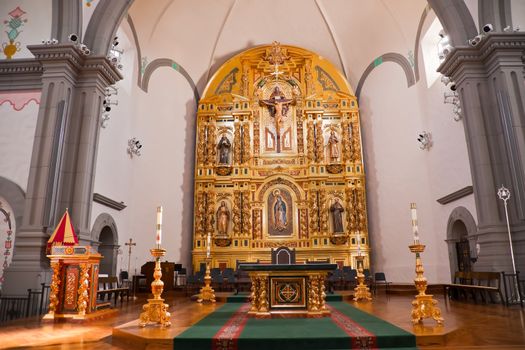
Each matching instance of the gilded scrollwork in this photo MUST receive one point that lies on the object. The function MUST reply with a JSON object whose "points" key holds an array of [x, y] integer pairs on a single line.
{"points": [[319, 141], [211, 146], [245, 81], [308, 77], [54, 288], [346, 141], [201, 145], [314, 211], [254, 295], [323, 217], [237, 142], [300, 135], [83, 287], [356, 143], [257, 224], [236, 213], [350, 212], [210, 211], [310, 141], [246, 154], [200, 223], [303, 223], [246, 211], [361, 211], [256, 141]]}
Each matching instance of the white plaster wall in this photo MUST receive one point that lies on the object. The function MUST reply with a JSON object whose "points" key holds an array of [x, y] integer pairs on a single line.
{"points": [[17, 133], [163, 174], [398, 172], [37, 27], [114, 168], [163, 121]]}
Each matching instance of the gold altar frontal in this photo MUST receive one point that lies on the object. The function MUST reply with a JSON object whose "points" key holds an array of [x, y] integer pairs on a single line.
{"points": [[288, 290], [279, 162]]}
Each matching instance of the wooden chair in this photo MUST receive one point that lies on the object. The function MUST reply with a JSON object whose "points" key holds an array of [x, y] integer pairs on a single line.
{"points": [[283, 255], [380, 279]]}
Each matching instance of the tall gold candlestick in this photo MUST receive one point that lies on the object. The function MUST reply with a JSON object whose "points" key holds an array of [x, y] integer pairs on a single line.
{"points": [[362, 292], [155, 311], [207, 293], [424, 306]]}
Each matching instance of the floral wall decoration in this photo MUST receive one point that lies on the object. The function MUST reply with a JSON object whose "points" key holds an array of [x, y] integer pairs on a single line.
{"points": [[14, 25]]}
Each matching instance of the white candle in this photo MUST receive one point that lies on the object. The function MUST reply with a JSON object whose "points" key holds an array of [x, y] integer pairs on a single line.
{"points": [[158, 236], [414, 222], [208, 246]]}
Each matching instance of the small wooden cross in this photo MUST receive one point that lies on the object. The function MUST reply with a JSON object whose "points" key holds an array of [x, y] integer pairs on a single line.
{"points": [[130, 244]]}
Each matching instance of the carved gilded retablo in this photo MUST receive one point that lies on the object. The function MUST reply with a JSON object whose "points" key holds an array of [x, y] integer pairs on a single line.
{"points": [[278, 161]]}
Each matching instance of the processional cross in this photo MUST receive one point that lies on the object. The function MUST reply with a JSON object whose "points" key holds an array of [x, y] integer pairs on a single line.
{"points": [[130, 244]]}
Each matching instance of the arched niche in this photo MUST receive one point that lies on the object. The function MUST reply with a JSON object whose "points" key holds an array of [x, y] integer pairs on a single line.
{"points": [[461, 227], [104, 234]]}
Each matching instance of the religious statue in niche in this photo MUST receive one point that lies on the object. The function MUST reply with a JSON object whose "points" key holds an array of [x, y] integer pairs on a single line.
{"points": [[337, 216], [224, 147], [223, 219], [278, 106], [333, 147], [279, 213]]}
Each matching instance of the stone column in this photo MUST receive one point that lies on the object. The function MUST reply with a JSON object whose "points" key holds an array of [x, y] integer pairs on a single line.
{"points": [[489, 80], [63, 162]]}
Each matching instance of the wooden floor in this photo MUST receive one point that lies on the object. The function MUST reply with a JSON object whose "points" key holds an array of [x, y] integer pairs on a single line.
{"points": [[467, 325]]}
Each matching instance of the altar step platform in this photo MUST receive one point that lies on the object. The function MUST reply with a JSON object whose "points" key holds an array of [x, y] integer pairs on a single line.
{"points": [[228, 326]]}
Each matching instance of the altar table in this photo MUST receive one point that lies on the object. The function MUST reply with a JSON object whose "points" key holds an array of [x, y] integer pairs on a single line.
{"points": [[282, 290]]}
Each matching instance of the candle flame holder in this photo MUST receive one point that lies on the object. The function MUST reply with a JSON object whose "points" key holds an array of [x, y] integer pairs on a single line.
{"points": [[424, 306], [362, 292], [155, 311], [207, 293]]}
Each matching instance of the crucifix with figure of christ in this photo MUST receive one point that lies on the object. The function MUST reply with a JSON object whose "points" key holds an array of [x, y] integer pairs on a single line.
{"points": [[278, 107], [130, 244]]}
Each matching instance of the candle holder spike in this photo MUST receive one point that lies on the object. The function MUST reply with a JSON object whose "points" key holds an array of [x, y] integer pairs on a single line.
{"points": [[424, 306], [155, 311]]}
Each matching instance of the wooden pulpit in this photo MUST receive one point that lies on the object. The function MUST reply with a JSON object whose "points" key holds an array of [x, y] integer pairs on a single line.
{"points": [[168, 273], [73, 292]]}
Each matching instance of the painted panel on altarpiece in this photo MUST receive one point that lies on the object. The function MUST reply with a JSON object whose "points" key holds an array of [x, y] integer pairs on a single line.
{"points": [[280, 213]]}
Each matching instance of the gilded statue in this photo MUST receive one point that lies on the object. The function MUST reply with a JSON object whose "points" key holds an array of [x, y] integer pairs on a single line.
{"points": [[333, 147], [223, 219], [337, 216], [224, 147]]}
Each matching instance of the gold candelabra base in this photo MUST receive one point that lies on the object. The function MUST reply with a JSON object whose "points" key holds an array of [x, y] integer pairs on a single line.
{"points": [[362, 292], [155, 311], [424, 306], [207, 293]]}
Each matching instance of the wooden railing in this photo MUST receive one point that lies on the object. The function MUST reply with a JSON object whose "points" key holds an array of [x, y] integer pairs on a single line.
{"points": [[17, 307]]}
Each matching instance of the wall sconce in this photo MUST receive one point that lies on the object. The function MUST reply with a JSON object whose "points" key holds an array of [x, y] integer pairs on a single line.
{"points": [[444, 47], [106, 105], [134, 147], [115, 55], [425, 140], [452, 97]]}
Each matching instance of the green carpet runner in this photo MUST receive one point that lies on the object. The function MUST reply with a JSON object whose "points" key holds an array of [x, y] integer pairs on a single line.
{"points": [[229, 328]]}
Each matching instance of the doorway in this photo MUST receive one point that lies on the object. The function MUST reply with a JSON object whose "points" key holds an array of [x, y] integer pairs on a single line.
{"points": [[461, 238], [464, 263], [108, 249]]}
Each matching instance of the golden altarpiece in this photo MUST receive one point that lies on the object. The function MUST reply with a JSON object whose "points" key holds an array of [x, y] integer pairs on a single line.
{"points": [[279, 162]]}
